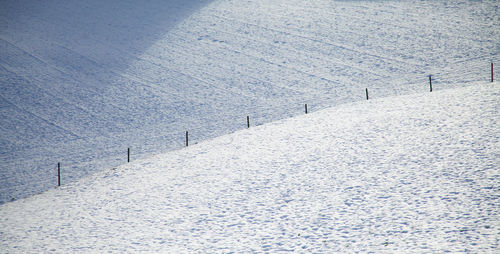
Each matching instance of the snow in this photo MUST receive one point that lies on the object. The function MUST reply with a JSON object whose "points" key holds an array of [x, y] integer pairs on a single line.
{"points": [[404, 174], [406, 171], [82, 81]]}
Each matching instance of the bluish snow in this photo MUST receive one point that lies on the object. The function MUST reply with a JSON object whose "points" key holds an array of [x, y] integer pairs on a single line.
{"points": [[81, 81]]}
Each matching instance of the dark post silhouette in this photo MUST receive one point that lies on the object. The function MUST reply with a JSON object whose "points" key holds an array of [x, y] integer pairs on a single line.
{"points": [[366, 93], [128, 154], [58, 174], [187, 138], [430, 81], [248, 122], [306, 108], [491, 72]]}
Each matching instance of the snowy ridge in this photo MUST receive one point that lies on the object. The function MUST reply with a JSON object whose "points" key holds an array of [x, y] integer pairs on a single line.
{"points": [[414, 173], [82, 81]]}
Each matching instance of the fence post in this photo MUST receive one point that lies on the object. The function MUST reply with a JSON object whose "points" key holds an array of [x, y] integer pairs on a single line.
{"points": [[58, 174], [187, 138], [248, 122], [306, 108], [128, 154], [366, 93], [430, 81], [492, 72]]}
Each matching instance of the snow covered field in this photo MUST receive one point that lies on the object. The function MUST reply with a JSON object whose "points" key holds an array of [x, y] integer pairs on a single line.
{"points": [[407, 174], [83, 80]]}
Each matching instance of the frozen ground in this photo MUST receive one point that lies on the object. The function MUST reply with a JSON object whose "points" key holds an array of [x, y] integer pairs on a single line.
{"points": [[83, 80], [409, 174]]}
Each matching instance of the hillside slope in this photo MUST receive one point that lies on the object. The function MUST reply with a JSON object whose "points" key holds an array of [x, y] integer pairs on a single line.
{"points": [[408, 174], [83, 81]]}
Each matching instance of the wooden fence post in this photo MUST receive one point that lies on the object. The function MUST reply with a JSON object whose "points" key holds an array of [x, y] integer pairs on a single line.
{"points": [[187, 138], [128, 154], [430, 82], [306, 108], [248, 122], [58, 174], [366, 93], [492, 72]]}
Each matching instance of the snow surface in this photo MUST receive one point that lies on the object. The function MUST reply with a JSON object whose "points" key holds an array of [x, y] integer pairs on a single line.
{"points": [[408, 174], [81, 81]]}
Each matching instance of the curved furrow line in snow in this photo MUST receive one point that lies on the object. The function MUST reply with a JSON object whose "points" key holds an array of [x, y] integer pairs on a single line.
{"points": [[377, 58], [226, 64], [299, 27], [199, 79], [138, 59], [271, 35], [141, 81], [97, 64], [251, 108], [246, 69], [261, 59], [327, 42], [116, 73], [312, 55], [349, 32], [381, 22], [57, 96], [47, 98], [152, 87], [289, 51], [480, 58], [353, 19], [218, 80], [384, 51], [45, 120], [278, 30], [206, 78]]}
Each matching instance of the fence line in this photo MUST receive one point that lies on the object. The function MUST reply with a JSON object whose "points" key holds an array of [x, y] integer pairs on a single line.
{"points": [[248, 126]]}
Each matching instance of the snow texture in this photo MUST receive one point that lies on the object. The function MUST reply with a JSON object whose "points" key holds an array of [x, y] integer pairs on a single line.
{"points": [[407, 174], [82, 81]]}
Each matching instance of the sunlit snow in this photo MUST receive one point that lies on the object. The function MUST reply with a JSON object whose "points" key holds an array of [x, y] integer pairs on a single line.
{"points": [[81, 82], [415, 173]]}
